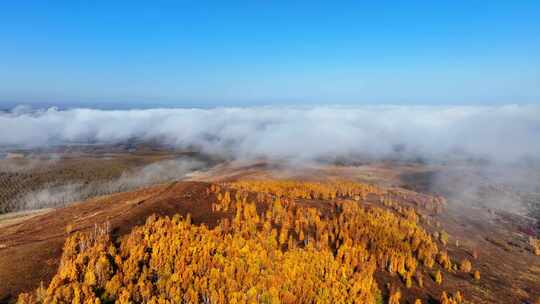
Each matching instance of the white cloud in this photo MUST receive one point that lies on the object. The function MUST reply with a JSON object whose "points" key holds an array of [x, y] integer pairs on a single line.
{"points": [[499, 132]]}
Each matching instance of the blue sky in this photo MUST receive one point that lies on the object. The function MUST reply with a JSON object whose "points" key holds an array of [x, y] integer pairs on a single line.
{"points": [[206, 53]]}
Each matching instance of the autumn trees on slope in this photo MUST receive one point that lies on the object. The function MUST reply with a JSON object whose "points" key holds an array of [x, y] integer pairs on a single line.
{"points": [[271, 249]]}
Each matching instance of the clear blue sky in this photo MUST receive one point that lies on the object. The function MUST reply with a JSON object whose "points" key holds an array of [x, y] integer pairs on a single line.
{"points": [[269, 52]]}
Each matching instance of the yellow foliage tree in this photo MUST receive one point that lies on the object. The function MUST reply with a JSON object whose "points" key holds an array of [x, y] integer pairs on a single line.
{"points": [[268, 248]]}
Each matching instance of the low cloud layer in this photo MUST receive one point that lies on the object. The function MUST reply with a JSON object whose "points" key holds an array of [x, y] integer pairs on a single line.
{"points": [[495, 132]]}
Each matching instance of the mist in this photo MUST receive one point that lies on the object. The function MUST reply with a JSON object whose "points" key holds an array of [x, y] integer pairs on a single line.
{"points": [[498, 133], [57, 195]]}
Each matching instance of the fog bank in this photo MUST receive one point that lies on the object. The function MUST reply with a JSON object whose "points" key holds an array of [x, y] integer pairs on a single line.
{"points": [[305, 133]]}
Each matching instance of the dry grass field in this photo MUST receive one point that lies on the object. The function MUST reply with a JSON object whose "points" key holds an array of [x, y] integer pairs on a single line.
{"points": [[466, 239]]}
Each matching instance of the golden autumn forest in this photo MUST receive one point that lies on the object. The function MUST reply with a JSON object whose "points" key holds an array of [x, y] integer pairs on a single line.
{"points": [[269, 246]]}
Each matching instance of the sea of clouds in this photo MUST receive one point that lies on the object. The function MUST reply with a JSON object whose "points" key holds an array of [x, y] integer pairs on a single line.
{"points": [[506, 133]]}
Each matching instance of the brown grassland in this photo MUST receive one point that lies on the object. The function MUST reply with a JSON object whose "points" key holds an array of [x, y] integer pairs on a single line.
{"points": [[246, 237]]}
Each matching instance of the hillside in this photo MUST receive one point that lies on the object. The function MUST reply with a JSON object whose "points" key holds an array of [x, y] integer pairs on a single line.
{"points": [[401, 241]]}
